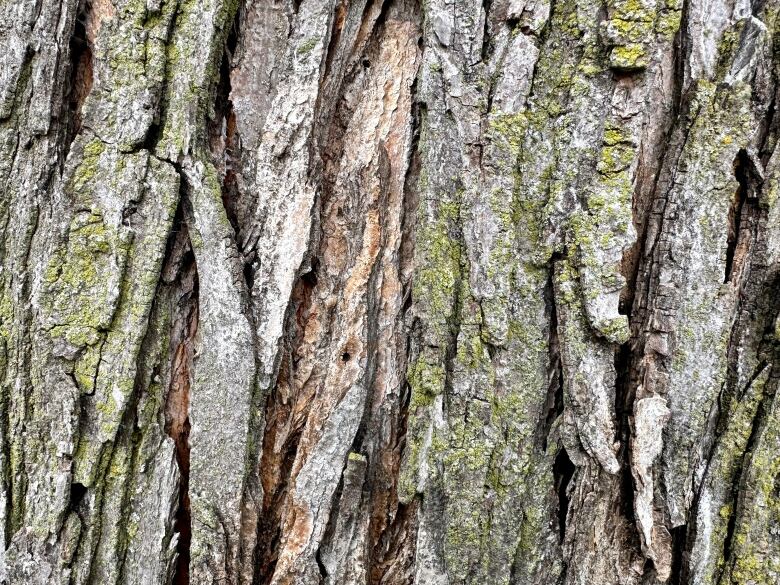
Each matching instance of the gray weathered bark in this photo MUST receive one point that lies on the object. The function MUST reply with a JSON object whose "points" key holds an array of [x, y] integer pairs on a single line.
{"points": [[388, 291]]}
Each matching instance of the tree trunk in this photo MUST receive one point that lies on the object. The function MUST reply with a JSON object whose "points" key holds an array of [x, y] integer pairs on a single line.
{"points": [[382, 292]]}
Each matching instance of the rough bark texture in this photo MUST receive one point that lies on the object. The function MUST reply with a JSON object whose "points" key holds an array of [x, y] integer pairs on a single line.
{"points": [[382, 292]]}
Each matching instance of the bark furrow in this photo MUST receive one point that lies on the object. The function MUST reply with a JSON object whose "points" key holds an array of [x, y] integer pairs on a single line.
{"points": [[388, 292]]}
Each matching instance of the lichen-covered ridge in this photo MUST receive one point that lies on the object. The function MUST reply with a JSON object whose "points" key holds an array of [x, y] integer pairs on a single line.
{"points": [[389, 292]]}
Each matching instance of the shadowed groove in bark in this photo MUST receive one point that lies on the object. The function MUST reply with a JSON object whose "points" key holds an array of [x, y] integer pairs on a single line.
{"points": [[678, 575], [563, 471], [81, 76], [77, 493], [624, 405], [555, 367], [177, 424], [741, 173], [452, 31], [223, 136], [277, 459]]}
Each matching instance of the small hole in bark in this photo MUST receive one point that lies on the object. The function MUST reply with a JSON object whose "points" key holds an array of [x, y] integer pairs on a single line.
{"points": [[249, 275], [128, 212], [77, 493], [310, 278], [366, 63], [345, 357]]}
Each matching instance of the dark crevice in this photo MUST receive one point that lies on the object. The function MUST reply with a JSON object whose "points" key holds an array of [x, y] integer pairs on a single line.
{"points": [[487, 49], [451, 351], [77, 493], [321, 565], [331, 527], [224, 143], [223, 136], [554, 404], [563, 471], [727, 542], [394, 553], [249, 275], [681, 50], [768, 131], [678, 569], [81, 76], [624, 405], [339, 19], [152, 137], [184, 325], [742, 175], [269, 527]]}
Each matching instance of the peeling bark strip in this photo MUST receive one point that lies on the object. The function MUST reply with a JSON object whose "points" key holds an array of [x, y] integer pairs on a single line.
{"points": [[388, 292]]}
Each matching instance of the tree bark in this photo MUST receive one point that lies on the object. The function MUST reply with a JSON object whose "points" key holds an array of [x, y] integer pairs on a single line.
{"points": [[382, 292]]}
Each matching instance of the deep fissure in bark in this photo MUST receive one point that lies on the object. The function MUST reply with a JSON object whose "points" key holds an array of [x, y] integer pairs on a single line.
{"points": [[678, 574], [277, 459], [742, 174], [81, 76], [184, 328], [554, 403], [393, 550], [223, 135], [563, 471], [624, 406]]}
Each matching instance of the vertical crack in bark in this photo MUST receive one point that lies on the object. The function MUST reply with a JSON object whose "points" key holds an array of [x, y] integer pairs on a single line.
{"points": [[625, 394], [398, 545], [678, 574], [486, 49], [223, 136], [225, 146], [280, 441], [563, 471], [177, 424], [742, 175], [81, 76], [554, 403]]}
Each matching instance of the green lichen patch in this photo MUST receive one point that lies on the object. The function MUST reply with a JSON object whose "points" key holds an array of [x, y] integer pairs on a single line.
{"points": [[631, 28], [82, 280], [307, 46]]}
